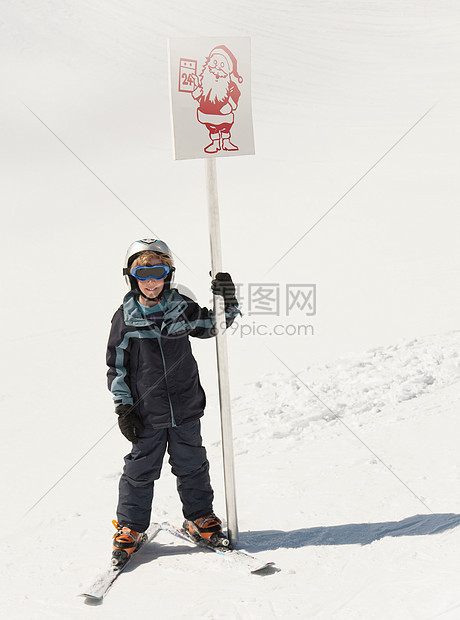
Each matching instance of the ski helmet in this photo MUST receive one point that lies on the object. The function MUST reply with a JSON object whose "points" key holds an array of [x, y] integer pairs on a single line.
{"points": [[145, 245]]}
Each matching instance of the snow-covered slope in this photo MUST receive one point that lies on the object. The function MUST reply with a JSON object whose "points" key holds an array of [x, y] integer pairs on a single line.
{"points": [[362, 520], [358, 388], [347, 465], [335, 86]]}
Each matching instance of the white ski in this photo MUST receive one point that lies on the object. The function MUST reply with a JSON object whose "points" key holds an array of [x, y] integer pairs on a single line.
{"points": [[103, 582], [252, 563]]}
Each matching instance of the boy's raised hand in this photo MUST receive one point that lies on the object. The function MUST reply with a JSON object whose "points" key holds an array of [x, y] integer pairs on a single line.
{"points": [[129, 422], [223, 285]]}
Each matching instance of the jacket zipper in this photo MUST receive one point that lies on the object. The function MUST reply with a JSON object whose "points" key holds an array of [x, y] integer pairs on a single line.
{"points": [[166, 381]]}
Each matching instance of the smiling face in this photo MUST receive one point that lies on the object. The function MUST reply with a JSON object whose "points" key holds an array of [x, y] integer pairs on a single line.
{"points": [[150, 288], [218, 66], [215, 78]]}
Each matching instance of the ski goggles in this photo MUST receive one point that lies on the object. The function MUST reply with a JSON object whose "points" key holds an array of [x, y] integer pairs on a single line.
{"points": [[157, 272]]}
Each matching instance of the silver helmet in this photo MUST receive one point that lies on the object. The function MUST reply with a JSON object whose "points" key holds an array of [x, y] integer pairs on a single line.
{"points": [[145, 245]]}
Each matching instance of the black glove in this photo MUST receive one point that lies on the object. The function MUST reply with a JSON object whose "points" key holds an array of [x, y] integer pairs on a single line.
{"points": [[129, 422], [223, 285]]}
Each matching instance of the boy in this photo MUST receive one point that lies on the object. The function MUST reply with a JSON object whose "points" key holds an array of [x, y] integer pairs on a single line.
{"points": [[158, 397]]}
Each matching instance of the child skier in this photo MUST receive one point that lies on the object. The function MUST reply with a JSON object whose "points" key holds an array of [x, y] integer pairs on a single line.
{"points": [[158, 397]]}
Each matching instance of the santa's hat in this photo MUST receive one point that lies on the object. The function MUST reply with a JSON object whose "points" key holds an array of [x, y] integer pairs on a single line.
{"points": [[230, 58]]}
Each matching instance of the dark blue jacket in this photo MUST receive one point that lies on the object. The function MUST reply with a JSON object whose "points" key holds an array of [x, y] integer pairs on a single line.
{"points": [[150, 361]]}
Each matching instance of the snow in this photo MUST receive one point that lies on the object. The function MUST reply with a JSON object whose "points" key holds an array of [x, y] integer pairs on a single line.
{"points": [[347, 461], [348, 538]]}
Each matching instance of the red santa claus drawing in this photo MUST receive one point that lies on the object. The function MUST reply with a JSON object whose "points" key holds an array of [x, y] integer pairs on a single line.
{"points": [[218, 96]]}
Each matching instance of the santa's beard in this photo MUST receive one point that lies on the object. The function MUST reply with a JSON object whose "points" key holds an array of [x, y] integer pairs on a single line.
{"points": [[214, 90]]}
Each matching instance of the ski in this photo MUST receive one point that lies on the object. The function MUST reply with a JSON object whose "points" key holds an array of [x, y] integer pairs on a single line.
{"points": [[103, 582], [253, 564]]}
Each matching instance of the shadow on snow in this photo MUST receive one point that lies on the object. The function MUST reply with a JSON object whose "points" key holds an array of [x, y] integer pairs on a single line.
{"points": [[352, 534]]}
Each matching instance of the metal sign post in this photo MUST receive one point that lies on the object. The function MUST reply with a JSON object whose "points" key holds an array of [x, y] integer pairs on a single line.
{"points": [[222, 354]]}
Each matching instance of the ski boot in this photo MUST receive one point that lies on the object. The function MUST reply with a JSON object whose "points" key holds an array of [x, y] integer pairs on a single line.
{"points": [[206, 529], [125, 542]]}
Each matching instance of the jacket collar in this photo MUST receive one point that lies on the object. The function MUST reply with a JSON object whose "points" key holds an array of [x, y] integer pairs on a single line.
{"points": [[172, 303]]}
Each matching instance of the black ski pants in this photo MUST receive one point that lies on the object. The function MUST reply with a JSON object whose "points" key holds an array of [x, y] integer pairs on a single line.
{"points": [[187, 457]]}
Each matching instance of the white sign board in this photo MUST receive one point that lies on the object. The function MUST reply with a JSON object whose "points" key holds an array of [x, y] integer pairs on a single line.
{"points": [[210, 81]]}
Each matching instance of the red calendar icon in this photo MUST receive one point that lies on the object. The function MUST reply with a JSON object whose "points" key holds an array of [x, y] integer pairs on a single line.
{"points": [[187, 75]]}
